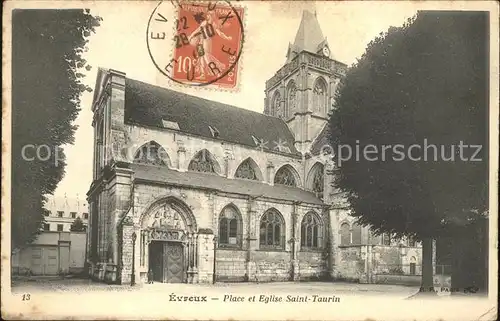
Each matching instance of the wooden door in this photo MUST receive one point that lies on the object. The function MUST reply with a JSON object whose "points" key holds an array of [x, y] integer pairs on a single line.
{"points": [[37, 266], [173, 262], [156, 260], [51, 261]]}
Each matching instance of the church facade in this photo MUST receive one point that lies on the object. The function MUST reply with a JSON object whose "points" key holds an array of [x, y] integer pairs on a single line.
{"points": [[190, 190]]}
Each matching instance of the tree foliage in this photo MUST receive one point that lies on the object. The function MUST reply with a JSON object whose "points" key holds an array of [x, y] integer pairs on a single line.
{"points": [[77, 225], [47, 70], [422, 83]]}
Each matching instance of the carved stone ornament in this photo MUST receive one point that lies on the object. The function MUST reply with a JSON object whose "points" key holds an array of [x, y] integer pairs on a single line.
{"points": [[165, 235], [164, 217], [127, 221]]}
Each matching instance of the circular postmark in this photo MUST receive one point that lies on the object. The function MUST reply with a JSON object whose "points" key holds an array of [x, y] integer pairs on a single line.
{"points": [[196, 43]]}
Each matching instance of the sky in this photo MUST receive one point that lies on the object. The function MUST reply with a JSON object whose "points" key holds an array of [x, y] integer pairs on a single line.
{"points": [[120, 43]]}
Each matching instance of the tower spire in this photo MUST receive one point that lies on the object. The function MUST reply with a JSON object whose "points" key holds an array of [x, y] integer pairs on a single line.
{"points": [[309, 36]]}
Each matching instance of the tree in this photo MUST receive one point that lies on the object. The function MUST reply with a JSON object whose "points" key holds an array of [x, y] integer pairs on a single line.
{"points": [[47, 71], [77, 225], [422, 84]]}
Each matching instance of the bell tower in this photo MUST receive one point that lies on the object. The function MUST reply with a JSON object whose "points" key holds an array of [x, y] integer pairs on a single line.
{"points": [[301, 92]]}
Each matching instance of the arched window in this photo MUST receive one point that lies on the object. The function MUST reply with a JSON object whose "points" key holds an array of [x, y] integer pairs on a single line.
{"points": [[285, 176], [316, 180], [203, 161], [356, 234], [345, 234], [272, 231], [276, 105], [230, 227], [320, 97], [247, 170], [152, 153], [311, 232], [291, 101]]}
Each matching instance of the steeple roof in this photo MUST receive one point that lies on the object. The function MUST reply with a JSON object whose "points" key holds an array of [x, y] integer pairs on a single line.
{"points": [[309, 36]]}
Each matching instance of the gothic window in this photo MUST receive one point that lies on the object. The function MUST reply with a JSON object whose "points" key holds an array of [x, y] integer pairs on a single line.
{"points": [[246, 170], [345, 234], [356, 234], [276, 105], [318, 180], [203, 161], [311, 232], [284, 176], [320, 97], [152, 154], [230, 228], [412, 242], [292, 100], [272, 231]]}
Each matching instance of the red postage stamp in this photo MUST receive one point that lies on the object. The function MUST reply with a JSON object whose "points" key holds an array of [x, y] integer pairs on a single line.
{"points": [[208, 44]]}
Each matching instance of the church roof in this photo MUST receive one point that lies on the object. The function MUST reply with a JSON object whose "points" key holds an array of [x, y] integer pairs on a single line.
{"points": [[160, 174], [153, 106], [323, 139], [309, 36]]}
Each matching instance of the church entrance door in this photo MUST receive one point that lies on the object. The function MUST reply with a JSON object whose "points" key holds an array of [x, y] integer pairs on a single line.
{"points": [[166, 260], [174, 256], [156, 260]]}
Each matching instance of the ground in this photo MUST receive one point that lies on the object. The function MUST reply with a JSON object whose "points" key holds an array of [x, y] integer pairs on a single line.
{"points": [[340, 288], [71, 297]]}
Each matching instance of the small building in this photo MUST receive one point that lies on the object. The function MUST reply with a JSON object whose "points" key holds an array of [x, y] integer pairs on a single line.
{"points": [[57, 250], [63, 211]]}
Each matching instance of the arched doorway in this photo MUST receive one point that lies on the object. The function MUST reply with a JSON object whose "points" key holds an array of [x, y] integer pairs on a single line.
{"points": [[168, 242]]}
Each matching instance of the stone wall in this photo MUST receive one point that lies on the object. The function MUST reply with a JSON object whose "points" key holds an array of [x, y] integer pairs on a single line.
{"points": [[206, 257], [272, 266], [397, 279], [351, 266], [126, 255], [312, 265], [248, 261], [231, 265]]}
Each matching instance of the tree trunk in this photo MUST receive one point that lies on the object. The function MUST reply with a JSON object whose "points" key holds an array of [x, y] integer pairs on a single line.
{"points": [[427, 285]]}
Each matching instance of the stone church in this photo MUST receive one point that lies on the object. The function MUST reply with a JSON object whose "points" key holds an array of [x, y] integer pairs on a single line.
{"points": [[190, 190]]}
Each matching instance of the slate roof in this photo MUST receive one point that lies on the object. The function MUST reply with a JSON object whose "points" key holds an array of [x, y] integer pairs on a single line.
{"points": [[160, 174], [152, 106], [321, 140]]}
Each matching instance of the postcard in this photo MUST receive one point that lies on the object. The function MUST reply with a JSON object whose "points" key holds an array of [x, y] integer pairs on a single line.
{"points": [[250, 160]]}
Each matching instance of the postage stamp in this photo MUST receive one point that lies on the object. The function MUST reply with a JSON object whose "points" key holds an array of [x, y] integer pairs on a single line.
{"points": [[207, 43], [351, 165]]}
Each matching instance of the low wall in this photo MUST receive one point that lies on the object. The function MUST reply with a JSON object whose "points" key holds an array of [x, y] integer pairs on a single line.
{"points": [[312, 266], [230, 265], [351, 266], [67, 254], [397, 279], [271, 266]]}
